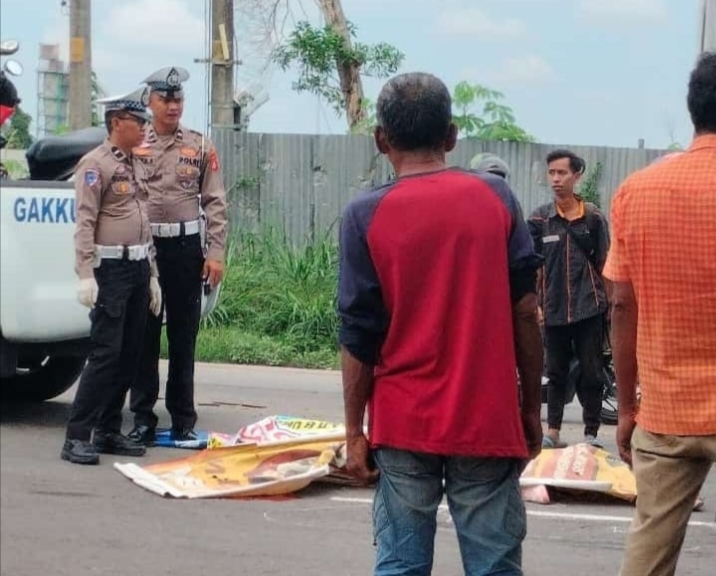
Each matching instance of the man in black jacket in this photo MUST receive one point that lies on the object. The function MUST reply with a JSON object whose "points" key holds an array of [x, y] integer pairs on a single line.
{"points": [[573, 237]]}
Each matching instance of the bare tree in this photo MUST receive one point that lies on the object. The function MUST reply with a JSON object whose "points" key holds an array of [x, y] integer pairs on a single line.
{"points": [[329, 62], [262, 25], [348, 70]]}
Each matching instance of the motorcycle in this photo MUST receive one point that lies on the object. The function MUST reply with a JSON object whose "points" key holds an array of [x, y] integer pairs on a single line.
{"points": [[8, 93]]}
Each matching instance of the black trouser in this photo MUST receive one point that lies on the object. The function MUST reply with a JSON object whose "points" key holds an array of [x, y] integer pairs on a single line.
{"points": [[585, 339], [118, 320], [180, 261]]}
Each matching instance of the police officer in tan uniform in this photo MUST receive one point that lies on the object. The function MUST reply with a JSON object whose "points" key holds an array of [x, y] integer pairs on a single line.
{"points": [[184, 187], [117, 281]]}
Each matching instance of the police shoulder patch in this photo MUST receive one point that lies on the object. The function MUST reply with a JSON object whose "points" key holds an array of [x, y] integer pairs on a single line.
{"points": [[91, 177], [142, 151], [213, 160]]}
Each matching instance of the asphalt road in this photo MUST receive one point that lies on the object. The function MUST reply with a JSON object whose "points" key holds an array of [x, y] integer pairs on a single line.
{"points": [[62, 519]]}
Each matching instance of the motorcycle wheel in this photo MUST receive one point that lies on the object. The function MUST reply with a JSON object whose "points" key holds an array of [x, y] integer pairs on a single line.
{"points": [[610, 411]]}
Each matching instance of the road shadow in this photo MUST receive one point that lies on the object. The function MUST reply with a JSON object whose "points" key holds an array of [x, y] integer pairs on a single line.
{"points": [[48, 414], [561, 496]]}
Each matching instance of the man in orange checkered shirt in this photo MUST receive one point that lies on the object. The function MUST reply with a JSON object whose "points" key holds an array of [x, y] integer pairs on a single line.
{"points": [[663, 264]]}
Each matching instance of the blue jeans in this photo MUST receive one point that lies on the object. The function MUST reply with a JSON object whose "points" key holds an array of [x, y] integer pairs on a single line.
{"points": [[484, 498]]}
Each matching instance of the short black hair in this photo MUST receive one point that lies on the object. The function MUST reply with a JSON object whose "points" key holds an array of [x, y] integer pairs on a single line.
{"points": [[701, 99], [576, 163], [108, 118], [415, 111]]}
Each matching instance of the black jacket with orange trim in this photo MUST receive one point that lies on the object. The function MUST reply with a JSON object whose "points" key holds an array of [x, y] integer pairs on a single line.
{"points": [[574, 254]]}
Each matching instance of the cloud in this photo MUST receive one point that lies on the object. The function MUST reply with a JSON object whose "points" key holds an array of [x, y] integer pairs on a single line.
{"points": [[168, 25], [476, 22], [634, 12], [136, 37], [525, 71]]}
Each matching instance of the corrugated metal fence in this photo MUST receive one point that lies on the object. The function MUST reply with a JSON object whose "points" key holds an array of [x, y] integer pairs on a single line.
{"points": [[300, 183]]}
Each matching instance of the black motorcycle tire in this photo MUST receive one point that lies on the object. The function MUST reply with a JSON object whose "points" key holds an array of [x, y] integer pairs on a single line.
{"points": [[610, 411]]}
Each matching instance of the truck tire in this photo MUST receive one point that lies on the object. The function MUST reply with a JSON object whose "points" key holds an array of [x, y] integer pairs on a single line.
{"points": [[42, 380]]}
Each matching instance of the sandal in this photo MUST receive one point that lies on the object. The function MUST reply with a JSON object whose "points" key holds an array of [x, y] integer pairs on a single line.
{"points": [[550, 443], [591, 440]]}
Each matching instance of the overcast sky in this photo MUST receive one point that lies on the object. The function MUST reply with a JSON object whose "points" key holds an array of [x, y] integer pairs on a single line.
{"points": [[595, 72]]}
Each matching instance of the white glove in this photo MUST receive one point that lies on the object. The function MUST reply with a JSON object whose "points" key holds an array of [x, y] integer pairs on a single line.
{"points": [[155, 296], [87, 292]]}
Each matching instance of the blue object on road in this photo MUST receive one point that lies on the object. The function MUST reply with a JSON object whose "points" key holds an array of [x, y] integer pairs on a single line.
{"points": [[164, 440]]}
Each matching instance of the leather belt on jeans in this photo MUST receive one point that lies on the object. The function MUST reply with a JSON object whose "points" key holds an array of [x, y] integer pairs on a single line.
{"points": [[138, 252], [175, 229]]}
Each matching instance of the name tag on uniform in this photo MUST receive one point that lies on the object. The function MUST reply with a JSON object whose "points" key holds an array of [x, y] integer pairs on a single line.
{"points": [[549, 239]]}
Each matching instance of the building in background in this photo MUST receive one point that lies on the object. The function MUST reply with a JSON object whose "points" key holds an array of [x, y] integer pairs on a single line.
{"points": [[53, 83], [53, 93]]}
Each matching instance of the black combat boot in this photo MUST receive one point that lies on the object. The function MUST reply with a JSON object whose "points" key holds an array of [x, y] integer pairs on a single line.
{"points": [[115, 443], [79, 452], [142, 434]]}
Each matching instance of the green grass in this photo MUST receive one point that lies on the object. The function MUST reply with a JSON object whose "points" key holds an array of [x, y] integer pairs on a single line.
{"points": [[235, 346], [277, 305]]}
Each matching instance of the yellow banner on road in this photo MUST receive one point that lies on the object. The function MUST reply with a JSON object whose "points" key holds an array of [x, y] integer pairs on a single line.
{"points": [[276, 429], [269, 469], [283, 454], [581, 467]]}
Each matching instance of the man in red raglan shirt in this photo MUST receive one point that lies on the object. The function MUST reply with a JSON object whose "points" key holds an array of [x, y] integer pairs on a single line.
{"points": [[438, 308]]}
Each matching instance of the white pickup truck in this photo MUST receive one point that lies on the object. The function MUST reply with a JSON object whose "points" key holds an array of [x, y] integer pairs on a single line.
{"points": [[44, 331]]}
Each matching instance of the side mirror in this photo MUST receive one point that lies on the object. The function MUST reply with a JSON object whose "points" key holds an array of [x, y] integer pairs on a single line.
{"points": [[9, 47], [13, 67]]}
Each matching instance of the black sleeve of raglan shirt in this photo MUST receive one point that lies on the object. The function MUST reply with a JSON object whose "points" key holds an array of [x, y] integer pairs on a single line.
{"points": [[363, 317]]}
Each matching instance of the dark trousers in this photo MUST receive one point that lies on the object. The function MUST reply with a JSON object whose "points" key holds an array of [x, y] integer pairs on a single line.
{"points": [[584, 339], [180, 261], [118, 321]]}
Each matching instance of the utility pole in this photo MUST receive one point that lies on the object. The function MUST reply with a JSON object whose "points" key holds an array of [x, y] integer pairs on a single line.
{"points": [[80, 65], [708, 26], [222, 64], [348, 73]]}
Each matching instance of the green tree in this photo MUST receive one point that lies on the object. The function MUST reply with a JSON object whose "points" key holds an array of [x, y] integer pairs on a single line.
{"points": [[479, 113], [19, 137], [324, 58], [589, 188]]}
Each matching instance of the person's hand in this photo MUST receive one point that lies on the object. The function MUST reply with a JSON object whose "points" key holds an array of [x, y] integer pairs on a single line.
{"points": [[625, 431], [87, 292], [155, 296], [540, 316], [532, 425], [358, 462], [213, 272]]}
